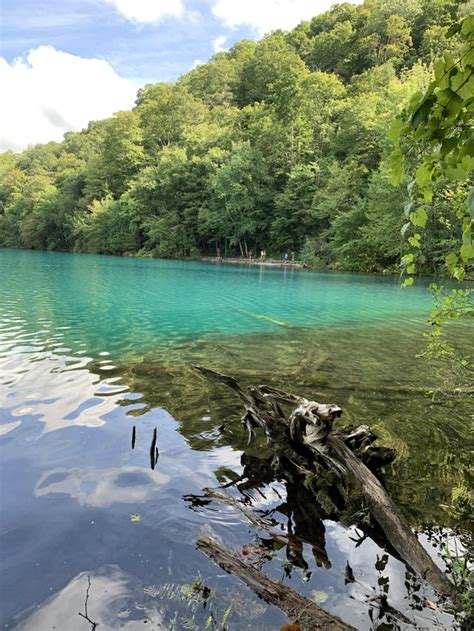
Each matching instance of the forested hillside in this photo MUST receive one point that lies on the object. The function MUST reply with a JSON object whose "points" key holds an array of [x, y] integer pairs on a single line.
{"points": [[279, 144]]}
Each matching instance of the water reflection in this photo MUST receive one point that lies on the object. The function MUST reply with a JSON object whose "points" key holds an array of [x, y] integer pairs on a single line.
{"points": [[59, 390], [102, 487], [111, 604]]}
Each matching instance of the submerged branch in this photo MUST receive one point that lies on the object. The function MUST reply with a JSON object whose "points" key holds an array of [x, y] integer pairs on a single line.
{"points": [[298, 608]]}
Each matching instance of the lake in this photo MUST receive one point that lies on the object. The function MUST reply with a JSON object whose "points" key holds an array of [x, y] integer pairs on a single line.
{"points": [[92, 347]]}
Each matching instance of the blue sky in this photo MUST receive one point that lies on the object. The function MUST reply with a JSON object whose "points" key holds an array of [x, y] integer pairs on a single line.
{"points": [[144, 52], [65, 62]]}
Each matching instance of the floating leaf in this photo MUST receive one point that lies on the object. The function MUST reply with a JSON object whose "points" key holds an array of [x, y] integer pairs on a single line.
{"points": [[135, 517], [319, 597]]}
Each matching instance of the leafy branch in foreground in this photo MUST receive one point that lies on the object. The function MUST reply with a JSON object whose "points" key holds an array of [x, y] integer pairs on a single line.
{"points": [[436, 133], [434, 136]]}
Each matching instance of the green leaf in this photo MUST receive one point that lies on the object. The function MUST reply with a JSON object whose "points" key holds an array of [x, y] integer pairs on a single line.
{"points": [[421, 113], [444, 96], [453, 29], [454, 106], [407, 282], [448, 145], [410, 186], [410, 268], [458, 79], [470, 202], [423, 175], [451, 261], [457, 173], [395, 129], [439, 69], [427, 193], [396, 167], [405, 228], [467, 90], [459, 273], [449, 60], [415, 100], [467, 25], [419, 217], [467, 149], [467, 252]]}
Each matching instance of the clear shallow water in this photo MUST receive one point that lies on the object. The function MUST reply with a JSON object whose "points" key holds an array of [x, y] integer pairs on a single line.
{"points": [[90, 346]]}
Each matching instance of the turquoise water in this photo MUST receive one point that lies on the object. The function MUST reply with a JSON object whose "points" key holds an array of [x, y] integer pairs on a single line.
{"points": [[91, 346], [120, 305]]}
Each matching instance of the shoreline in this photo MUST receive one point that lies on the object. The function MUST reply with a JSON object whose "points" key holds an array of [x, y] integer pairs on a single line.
{"points": [[242, 261]]}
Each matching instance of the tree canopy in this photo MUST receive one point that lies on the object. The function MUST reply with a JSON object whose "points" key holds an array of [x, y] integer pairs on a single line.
{"points": [[279, 144]]}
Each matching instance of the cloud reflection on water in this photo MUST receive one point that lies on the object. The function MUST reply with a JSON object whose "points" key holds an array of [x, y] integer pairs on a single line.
{"points": [[112, 604], [102, 487], [60, 391]]}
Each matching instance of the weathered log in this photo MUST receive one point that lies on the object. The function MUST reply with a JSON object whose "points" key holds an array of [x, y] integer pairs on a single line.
{"points": [[392, 522], [309, 616], [306, 436]]}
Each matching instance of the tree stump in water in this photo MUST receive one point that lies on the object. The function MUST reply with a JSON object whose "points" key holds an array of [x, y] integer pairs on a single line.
{"points": [[331, 464]]}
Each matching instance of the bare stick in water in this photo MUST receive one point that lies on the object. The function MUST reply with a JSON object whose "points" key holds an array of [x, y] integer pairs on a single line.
{"points": [[85, 615], [153, 450]]}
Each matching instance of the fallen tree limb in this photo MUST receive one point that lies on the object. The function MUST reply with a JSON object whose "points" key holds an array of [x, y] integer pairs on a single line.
{"points": [[309, 616], [332, 463]]}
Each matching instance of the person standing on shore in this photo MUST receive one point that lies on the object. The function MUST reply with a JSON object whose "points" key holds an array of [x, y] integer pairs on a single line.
{"points": [[285, 258]]}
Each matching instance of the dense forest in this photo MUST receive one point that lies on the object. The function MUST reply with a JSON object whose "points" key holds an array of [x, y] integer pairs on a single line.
{"points": [[279, 144]]}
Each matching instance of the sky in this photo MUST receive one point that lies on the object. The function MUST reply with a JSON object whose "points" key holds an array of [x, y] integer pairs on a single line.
{"points": [[66, 62]]}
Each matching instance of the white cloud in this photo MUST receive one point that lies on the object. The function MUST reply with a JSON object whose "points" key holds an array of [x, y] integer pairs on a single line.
{"points": [[196, 63], [148, 11], [51, 92], [218, 43], [268, 15]]}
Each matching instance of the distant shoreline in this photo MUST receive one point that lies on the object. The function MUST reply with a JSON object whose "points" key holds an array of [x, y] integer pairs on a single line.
{"points": [[257, 261]]}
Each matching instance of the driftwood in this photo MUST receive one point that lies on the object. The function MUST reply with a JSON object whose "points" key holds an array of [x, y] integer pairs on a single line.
{"points": [[334, 466], [298, 608]]}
